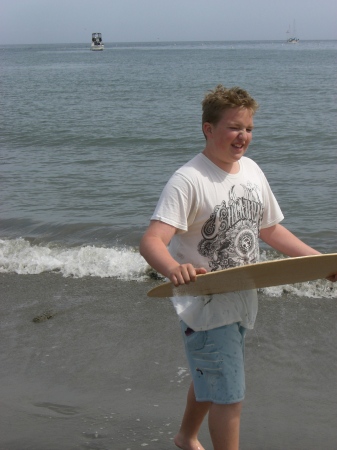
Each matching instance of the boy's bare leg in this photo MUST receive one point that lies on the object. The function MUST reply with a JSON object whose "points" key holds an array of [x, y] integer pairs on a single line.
{"points": [[224, 426], [195, 412]]}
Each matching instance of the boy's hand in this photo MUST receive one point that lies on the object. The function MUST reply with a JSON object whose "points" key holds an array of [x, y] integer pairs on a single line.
{"points": [[184, 273]]}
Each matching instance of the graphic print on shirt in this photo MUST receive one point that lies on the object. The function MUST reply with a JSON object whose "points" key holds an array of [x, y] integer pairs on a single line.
{"points": [[230, 235]]}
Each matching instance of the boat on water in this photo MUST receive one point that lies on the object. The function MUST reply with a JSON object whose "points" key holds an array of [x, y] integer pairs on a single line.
{"points": [[96, 42], [293, 39]]}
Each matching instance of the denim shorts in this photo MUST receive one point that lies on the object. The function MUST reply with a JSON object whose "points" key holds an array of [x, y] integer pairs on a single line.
{"points": [[216, 360]]}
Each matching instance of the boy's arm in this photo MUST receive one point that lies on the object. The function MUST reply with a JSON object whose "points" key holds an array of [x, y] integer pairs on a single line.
{"points": [[153, 247], [285, 242]]}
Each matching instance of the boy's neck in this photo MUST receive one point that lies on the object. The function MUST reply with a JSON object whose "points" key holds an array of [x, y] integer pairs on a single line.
{"points": [[229, 167]]}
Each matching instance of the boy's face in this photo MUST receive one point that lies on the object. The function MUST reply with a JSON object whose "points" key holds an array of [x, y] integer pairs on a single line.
{"points": [[228, 140]]}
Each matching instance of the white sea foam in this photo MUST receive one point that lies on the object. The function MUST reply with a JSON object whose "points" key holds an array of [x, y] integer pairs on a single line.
{"points": [[20, 256], [310, 289]]}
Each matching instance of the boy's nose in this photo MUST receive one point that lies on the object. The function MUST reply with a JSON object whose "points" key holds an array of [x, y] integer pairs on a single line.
{"points": [[243, 135]]}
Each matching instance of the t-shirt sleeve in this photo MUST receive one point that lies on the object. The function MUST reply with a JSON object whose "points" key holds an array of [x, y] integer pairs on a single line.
{"points": [[176, 205], [272, 213]]}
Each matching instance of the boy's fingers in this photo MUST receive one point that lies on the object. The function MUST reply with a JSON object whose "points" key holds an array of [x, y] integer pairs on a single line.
{"points": [[201, 271], [185, 273]]}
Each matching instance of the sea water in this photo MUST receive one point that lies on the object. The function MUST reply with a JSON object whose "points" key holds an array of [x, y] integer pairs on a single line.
{"points": [[89, 140]]}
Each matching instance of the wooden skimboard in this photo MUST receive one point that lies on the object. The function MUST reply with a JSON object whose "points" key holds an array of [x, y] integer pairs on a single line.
{"points": [[254, 276]]}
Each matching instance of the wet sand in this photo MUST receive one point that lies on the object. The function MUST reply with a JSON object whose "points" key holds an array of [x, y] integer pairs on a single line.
{"points": [[102, 367]]}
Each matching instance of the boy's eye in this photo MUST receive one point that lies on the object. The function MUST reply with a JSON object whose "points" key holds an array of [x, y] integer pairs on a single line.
{"points": [[248, 130]]}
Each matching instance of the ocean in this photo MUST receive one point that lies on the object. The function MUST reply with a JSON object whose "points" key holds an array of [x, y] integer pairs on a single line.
{"points": [[88, 141]]}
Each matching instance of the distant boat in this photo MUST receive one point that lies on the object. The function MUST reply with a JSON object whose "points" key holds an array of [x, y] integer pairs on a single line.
{"points": [[96, 42], [293, 39]]}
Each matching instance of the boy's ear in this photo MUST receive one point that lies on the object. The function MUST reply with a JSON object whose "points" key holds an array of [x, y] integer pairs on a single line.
{"points": [[207, 128]]}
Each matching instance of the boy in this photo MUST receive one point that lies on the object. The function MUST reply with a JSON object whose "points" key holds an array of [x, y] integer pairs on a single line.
{"points": [[211, 213]]}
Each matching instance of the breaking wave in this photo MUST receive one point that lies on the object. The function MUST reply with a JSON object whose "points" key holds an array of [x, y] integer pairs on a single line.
{"points": [[125, 263]]}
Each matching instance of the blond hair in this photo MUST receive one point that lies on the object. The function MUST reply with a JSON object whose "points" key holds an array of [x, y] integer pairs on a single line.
{"points": [[220, 99]]}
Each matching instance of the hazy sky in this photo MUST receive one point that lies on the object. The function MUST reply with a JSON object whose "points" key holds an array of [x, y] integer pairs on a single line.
{"points": [[73, 21]]}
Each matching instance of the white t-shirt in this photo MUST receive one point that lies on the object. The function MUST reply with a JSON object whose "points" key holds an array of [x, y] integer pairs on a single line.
{"points": [[219, 217]]}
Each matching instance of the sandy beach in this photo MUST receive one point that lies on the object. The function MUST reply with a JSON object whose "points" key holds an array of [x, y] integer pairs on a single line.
{"points": [[94, 364]]}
